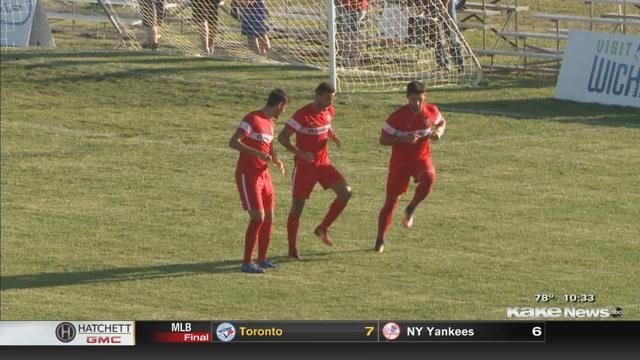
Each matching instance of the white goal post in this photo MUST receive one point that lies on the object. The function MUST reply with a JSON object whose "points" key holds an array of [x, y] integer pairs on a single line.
{"points": [[363, 45]]}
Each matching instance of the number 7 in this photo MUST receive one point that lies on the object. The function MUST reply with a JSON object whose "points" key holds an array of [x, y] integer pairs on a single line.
{"points": [[369, 329]]}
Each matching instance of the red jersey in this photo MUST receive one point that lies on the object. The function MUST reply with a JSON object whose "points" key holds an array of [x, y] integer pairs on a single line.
{"points": [[258, 130], [403, 122], [312, 128], [362, 5]]}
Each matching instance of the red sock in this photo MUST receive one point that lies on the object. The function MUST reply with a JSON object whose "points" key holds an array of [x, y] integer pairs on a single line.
{"points": [[264, 238], [293, 222], [386, 216], [334, 211], [250, 239], [423, 189]]}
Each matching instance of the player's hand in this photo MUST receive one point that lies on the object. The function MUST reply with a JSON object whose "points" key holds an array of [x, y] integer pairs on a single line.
{"points": [[336, 140], [263, 156], [435, 136], [306, 156], [279, 165], [411, 138]]}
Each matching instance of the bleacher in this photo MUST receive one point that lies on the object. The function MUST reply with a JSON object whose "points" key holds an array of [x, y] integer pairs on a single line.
{"points": [[539, 50]]}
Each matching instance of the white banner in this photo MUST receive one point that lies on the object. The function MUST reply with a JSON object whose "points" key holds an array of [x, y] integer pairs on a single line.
{"points": [[601, 68], [102, 333], [16, 19]]}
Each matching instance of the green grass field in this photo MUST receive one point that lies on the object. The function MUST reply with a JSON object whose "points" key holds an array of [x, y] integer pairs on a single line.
{"points": [[119, 201]]}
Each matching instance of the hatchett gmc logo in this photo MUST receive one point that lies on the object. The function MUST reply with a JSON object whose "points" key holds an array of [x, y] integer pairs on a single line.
{"points": [[556, 312]]}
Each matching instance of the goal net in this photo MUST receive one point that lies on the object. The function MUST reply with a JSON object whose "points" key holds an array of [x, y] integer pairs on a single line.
{"points": [[369, 46]]}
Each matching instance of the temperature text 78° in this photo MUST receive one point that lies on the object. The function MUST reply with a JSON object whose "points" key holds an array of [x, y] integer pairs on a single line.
{"points": [[544, 297]]}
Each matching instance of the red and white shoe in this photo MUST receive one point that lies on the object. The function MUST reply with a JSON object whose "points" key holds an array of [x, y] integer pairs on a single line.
{"points": [[295, 256], [407, 220], [324, 235]]}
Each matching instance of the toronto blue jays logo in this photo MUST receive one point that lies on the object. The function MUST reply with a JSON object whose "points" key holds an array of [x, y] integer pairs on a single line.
{"points": [[226, 332], [15, 12]]}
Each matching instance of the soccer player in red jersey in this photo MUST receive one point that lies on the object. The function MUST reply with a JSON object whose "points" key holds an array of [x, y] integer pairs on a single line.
{"points": [[409, 130], [253, 139], [312, 126]]}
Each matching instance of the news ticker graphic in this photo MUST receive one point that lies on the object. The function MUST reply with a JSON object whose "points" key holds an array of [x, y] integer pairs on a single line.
{"points": [[74, 333], [154, 332], [217, 333]]}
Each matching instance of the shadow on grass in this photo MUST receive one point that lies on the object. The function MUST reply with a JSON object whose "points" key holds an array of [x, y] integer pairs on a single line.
{"points": [[40, 280], [26, 54], [549, 109], [160, 69], [116, 274]]}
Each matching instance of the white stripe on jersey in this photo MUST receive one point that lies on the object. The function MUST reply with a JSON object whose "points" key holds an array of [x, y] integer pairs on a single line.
{"points": [[397, 133], [245, 126], [309, 131], [261, 137], [439, 119], [254, 135], [246, 194]]}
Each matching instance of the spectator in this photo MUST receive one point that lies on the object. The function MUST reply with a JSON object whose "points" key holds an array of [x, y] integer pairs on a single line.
{"points": [[205, 14], [349, 15], [448, 36], [253, 15], [153, 12]]}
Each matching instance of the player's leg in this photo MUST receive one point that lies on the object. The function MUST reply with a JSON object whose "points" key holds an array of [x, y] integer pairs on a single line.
{"points": [[249, 188], [293, 223], [426, 177], [250, 241], [330, 177], [303, 180], [264, 237], [385, 218], [397, 184]]}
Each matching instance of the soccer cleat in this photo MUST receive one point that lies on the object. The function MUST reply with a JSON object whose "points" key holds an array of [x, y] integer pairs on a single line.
{"points": [[295, 256], [268, 264], [150, 46], [324, 235], [251, 268], [407, 219], [379, 248]]}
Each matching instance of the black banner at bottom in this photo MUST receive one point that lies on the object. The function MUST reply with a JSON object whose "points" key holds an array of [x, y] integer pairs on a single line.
{"points": [[154, 332]]}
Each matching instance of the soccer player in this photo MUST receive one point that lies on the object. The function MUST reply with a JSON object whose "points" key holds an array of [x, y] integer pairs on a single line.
{"points": [[312, 126], [409, 130], [253, 139]]}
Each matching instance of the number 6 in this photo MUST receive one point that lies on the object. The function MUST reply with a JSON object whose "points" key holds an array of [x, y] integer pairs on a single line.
{"points": [[536, 331]]}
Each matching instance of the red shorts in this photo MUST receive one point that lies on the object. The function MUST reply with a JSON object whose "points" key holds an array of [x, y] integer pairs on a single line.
{"points": [[305, 177], [399, 175], [256, 189]]}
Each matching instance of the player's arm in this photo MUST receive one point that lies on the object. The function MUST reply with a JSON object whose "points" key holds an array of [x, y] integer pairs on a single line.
{"points": [[236, 143], [390, 136], [284, 138], [335, 138], [440, 124], [276, 159]]}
